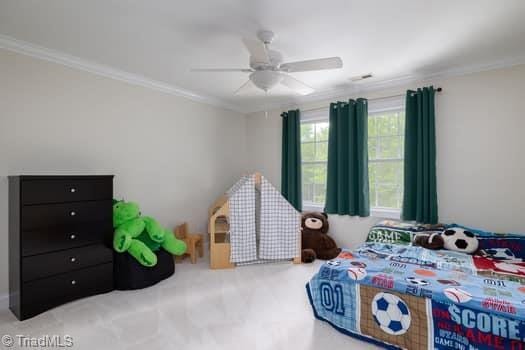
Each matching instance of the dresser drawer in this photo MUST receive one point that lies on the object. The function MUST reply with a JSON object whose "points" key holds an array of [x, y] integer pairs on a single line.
{"points": [[65, 215], [45, 265], [43, 294], [65, 190], [51, 239]]}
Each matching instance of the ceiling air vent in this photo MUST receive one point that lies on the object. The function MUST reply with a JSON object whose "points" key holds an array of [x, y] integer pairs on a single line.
{"points": [[361, 77]]}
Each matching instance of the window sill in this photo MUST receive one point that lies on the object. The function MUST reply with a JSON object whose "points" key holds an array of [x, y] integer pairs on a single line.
{"points": [[382, 213], [385, 213], [313, 207]]}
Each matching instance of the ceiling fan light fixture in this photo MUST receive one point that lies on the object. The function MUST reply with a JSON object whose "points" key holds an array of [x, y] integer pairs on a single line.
{"points": [[268, 70], [266, 79]]}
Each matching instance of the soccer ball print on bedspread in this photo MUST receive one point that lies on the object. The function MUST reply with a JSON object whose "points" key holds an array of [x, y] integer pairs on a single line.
{"points": [[418, 307], [391, 313]]}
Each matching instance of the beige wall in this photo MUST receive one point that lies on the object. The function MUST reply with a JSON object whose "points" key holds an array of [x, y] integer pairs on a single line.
{"points": [[174, 156], [171, 155], [480, 152]]}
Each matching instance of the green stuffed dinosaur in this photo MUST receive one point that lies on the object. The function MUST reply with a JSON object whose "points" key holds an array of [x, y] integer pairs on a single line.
{"points": [[140, 235]]}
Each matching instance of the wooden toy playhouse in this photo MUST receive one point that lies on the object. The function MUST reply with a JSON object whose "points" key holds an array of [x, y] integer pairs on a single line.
{"points": [[253, 223]]}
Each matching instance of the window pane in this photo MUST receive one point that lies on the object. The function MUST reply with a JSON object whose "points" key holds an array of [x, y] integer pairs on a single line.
{"points": [[307, 132], [314, 154], [385, 153], [388, 172], [373, 201], [320, 194], [314, 183], [372, 121], [390, 147], [386, 180], [308, 151], [319, 173], [372, 148], [387, 125], [321, 131], [308, 174], [321, 151], [388, 197], [308, 193], [372, 166]]}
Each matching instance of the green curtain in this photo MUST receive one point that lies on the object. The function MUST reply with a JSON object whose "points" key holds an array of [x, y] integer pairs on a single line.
{"points": [[420, 194], [347, 189], [291, 158]]}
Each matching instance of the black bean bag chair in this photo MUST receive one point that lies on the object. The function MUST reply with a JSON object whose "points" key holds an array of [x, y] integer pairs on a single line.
{"points": [[129, 274]]}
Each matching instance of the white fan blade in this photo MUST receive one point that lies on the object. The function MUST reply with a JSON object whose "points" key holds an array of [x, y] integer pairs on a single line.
{"points": [[309, 65], [246, 88], [243, 70], [257, 50], [296, 85]]}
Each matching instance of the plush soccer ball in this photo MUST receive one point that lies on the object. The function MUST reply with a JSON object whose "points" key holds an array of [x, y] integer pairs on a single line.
{"points": [[417, 281], [391, 313], [460, 240], [498, 253]]}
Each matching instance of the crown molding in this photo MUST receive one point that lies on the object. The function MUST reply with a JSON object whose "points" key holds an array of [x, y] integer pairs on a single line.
{"points": [[368, 87], [43, 53], [40, 52]]}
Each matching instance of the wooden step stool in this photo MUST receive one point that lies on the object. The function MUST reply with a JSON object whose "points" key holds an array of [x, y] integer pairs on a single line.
{"points": [[194, 242]]}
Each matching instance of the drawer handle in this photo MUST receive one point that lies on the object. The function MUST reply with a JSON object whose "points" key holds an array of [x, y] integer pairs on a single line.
{"points": [[73, 190], [73, 282], [72, 236], [73, 259], [72, 213]]}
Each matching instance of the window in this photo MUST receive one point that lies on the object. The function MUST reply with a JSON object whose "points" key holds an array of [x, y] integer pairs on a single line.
{"points": [[386, 129], [314, 156], [385, 159]]}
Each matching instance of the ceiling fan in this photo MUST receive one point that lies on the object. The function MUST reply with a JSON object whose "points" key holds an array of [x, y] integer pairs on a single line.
{"points": [[268, 70]]}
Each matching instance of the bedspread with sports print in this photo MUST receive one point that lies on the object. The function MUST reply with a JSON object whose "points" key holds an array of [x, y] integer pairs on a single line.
{"points": [[399, 296]]}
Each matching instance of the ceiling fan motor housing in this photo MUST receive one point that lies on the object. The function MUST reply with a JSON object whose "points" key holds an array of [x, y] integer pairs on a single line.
{"points": [[275, 59], [266, 79], [266, 36]]}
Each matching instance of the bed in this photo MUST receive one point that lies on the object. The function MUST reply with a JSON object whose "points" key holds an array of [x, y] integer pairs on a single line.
{"points": [[396, 295]]}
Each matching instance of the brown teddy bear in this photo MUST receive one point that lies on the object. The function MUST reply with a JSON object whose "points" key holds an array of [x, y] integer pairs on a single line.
{"points": [[316, 244]]}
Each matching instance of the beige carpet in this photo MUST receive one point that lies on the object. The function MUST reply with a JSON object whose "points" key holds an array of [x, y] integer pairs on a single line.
{"points": [[252, 307]]}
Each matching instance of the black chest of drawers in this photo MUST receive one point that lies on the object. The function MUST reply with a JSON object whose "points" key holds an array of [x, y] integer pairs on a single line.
{"points": [[60, 230]]}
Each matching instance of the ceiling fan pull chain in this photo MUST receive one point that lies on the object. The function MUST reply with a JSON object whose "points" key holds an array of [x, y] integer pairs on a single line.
{"points": [[266, 109]]}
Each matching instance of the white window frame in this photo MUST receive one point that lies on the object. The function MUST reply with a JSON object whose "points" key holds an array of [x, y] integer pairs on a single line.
{"points": [[312, 117], [375, 107]]}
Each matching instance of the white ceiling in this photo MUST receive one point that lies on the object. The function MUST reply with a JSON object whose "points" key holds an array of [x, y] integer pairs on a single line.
{"points": [[162, 39]]}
